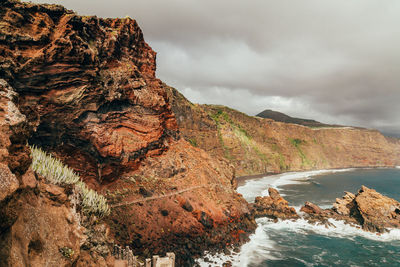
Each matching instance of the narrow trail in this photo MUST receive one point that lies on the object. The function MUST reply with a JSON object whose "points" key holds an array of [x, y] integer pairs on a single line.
{"points": [[160, 196]]}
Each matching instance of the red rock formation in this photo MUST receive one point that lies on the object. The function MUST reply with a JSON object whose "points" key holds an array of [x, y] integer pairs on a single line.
{"points": [[369, 209], [88, 85], [311, 208], [273, 206], [84, 89]]}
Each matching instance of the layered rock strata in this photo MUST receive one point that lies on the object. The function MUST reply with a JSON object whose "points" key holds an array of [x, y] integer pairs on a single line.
{"points": [[84, 89]]}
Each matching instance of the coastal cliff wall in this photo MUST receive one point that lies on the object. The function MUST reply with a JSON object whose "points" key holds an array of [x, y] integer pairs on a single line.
{"points": [[84, 89], [255, 145]]}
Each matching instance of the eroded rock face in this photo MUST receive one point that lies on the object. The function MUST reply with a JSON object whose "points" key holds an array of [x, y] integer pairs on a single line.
{"points": [[86, 85], [344, 205], [378, 212], [273, 206], [368, 208], [38, 229], [84, 89]]}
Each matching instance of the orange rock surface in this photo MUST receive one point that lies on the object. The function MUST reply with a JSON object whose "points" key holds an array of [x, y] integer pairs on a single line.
{"points": [[84, 89]]}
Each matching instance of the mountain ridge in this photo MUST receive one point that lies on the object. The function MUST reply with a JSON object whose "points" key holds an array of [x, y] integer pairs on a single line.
{"points": [[256, 145], [281, 117]]}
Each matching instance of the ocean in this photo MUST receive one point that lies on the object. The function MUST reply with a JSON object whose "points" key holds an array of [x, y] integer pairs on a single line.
{"points": [[298, 243]]}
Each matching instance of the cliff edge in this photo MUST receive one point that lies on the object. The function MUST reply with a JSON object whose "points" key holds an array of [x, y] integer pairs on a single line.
{"points": [[257, 145], [84, 89]]}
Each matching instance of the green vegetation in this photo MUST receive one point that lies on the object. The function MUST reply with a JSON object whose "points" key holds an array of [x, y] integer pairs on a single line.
{"points": [[193, 142], [297, 144], [282, 163], [244, 137], [57, 173], [67, 252], [51, 168], [216, 117]]}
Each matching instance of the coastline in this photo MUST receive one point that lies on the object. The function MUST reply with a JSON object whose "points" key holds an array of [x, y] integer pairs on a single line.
{"points": [[262, 244], [241, 180]]}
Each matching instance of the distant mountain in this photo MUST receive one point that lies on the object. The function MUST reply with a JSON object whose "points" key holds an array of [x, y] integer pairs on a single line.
{"points": [[281, 117]]}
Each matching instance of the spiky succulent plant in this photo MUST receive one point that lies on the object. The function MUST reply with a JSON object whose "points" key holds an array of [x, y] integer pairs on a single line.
{"points": [[56, 172]]}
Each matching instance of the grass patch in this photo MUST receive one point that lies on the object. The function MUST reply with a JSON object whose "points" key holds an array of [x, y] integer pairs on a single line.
{"points": [[193, 142], [216, 117], [297, 144], [244, 137]]}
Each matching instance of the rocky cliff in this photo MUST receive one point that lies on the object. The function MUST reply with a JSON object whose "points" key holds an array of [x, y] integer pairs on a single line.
{"points": [[84, 89], [257, 145]]}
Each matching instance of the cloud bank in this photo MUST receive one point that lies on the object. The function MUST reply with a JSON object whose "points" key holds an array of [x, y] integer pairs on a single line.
{"points": [[334, 61]]}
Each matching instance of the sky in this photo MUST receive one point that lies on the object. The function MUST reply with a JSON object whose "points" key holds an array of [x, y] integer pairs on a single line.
{"points": [[335, 61]]}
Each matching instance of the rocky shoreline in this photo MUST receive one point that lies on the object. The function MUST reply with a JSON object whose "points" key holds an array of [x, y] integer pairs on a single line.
{"points": [[367, 209], [84, 90]]}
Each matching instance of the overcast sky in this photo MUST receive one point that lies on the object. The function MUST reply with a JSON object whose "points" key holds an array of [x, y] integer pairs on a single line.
{"points": [[335, 61]]}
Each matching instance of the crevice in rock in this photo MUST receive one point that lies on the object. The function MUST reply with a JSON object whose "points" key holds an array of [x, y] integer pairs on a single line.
{"points": [[115, 105]]}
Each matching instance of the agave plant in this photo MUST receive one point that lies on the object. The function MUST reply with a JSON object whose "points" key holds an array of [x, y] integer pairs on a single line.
{"points": [[92, 202], [57, 173]]}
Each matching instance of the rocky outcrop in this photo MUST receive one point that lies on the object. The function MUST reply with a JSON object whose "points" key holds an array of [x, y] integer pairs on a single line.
{"points": [[368, 208], [273, 206], [87, 87], [256, 146], [39, 228], [84, 89]]}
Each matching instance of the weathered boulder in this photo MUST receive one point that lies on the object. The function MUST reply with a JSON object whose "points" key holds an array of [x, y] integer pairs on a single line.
{"points": [[273, 206], [311, 208], [8, 182], [376, 212], [368, 208], [345, 204]]}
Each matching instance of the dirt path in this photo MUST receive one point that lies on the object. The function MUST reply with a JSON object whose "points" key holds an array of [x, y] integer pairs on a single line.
{"points": [[159, 196]]}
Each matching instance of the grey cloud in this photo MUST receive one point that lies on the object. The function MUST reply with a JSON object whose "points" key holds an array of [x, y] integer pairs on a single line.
{"points": [[335, 61]]}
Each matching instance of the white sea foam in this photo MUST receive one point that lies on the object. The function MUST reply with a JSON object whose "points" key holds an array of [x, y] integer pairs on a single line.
{"points": [[260, 246], [254, 251], [339, 229], [259, 186], [218, 259]]}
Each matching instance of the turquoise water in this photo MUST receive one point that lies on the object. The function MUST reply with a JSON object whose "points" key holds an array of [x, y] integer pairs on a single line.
{"points": [[298, 243], [324, 189]]}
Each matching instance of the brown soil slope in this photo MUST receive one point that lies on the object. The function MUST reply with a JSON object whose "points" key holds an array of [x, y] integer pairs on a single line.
{"points": [[255, 145], [84, 89]]}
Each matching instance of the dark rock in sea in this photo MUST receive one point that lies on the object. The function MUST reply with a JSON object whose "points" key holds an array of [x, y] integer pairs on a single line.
{"points": [[273, 206]]}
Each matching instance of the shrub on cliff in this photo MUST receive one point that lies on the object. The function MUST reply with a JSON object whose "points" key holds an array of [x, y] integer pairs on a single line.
{"points": [[57, 173]]}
